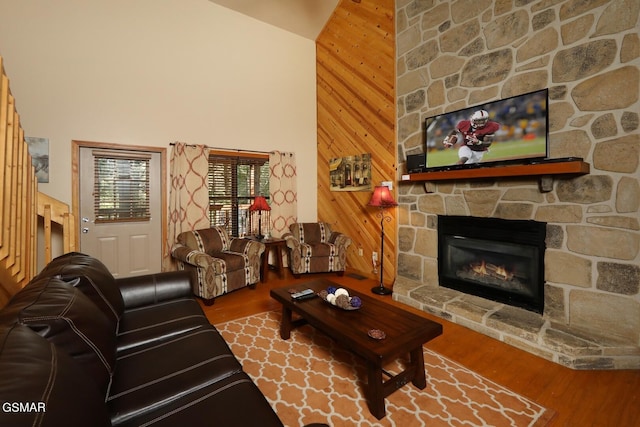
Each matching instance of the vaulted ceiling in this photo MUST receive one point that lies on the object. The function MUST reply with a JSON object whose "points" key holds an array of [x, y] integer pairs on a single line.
{"points": [[303, 17]]}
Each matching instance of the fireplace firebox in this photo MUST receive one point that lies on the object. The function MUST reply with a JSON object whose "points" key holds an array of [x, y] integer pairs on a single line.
{"points": [[497, 259]]}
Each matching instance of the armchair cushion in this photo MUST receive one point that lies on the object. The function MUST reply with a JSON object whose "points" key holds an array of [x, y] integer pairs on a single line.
{"points": [[208, 240], [317, 249]]}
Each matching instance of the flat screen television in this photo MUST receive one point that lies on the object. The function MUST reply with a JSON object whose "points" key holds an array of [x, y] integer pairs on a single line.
{"points": [[508, 131]]}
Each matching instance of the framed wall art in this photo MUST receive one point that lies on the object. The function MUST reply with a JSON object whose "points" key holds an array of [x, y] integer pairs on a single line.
{"points": [[39, 150], [350, 173]]}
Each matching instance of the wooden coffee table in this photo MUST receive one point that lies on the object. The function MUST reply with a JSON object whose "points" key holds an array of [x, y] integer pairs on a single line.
{"points": [[405, 334]]}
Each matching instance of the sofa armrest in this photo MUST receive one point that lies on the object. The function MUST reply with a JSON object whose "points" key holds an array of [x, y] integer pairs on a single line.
{"points": [[249, 247], [152, 288], [188, 255], [197, 258], [291, 240], [339, 239]]}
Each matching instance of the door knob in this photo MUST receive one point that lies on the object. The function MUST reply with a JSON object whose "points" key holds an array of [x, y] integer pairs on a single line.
{"points": [[85, 230]]}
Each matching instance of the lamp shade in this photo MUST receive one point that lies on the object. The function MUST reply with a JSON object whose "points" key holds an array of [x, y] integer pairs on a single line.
{"points": [[259, 204], [382, 198]]}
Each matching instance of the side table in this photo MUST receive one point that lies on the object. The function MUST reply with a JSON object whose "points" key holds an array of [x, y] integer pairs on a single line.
{"points": [[270, 245]]}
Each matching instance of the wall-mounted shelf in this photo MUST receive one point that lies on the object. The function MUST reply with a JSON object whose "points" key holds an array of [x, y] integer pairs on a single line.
{"points": [[543, 168]]}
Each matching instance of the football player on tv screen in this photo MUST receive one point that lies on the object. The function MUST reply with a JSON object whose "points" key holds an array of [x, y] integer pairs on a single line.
{"points": [[473, 136]]}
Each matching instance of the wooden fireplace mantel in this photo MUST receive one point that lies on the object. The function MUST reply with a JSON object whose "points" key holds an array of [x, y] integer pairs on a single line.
{"points": [[545, 169]]}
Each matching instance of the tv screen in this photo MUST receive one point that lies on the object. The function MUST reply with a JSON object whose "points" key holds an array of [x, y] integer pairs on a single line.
{"points": [[511, 130]]}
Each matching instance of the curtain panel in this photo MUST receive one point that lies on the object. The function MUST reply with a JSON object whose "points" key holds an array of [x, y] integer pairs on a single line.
{"points": [[188, 194], [283, 191]]}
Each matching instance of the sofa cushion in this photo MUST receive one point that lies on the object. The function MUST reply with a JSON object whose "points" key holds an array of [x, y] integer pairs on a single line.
{"points": [[93, 278], [233, 261], [318, 250], [209, 240], [53, 387], [234, 401], [68, 319], [311, 232], [157, 375], [152, 324], [149, 289]]}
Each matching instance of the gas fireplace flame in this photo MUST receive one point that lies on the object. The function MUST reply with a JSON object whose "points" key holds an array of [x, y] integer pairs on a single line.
{"points": [[480, 268], [504, 273], [487, 269]]}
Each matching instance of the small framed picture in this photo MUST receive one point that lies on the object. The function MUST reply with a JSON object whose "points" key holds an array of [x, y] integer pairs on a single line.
{"points": [[39, 150], [350, 173]]}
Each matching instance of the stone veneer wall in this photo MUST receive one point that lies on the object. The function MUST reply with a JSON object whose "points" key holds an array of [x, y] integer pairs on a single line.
{"points": [[455, 54]]}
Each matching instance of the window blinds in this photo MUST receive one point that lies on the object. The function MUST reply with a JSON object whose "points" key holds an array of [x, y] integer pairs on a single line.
{"points": [[234, 181], [121, 187]]}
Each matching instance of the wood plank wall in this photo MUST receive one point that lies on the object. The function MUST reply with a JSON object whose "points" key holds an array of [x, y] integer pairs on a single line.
{"points": [[18, 199], [356, 114]]}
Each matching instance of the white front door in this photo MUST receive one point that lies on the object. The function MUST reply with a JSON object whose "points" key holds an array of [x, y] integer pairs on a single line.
{"points": [[120, 215]]}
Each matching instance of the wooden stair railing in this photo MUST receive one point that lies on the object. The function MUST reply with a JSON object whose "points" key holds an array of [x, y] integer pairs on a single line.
{"points": [[18, 189], [55, 211], [21, 204]]}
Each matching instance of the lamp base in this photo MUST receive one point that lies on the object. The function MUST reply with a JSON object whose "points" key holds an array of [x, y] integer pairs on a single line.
{"points": [[381, 290]]}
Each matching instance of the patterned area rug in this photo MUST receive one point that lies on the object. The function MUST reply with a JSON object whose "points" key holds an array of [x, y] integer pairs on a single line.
{"points": [[309, 378]]}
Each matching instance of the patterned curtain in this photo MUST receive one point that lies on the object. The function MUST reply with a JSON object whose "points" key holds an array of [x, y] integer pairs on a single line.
{"points": [[284, 192], [188, 195]]}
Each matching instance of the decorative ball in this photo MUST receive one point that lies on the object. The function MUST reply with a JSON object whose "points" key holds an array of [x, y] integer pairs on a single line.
{"points": [[331, 298], [331, 289], [342, 301], [341, 291], [356, 302], [323, 294]]}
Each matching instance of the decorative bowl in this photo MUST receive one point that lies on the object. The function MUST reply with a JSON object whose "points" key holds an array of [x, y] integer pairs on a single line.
{"points": [[340, 298], [377, 334]]}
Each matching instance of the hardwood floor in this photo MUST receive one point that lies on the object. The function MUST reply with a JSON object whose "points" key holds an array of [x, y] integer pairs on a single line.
{"points": [[579, 398]]}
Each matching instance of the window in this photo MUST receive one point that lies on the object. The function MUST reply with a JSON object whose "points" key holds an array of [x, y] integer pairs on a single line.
{"points": [[234, 181], [121, 186]]}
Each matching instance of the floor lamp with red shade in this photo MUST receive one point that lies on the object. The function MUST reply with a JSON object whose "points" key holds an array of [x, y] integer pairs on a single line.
{"points": [[382, 199]]}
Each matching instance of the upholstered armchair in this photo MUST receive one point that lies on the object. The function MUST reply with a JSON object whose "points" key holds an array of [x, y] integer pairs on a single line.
{"points": [[222, 264], [315, 248]]}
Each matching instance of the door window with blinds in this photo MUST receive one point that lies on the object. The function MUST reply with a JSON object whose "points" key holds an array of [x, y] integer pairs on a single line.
{"points": [[121, 186], [234, 182]]}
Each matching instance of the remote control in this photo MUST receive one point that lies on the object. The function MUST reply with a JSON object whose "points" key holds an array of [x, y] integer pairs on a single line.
{"points": [[305, 297], [302, 294]]}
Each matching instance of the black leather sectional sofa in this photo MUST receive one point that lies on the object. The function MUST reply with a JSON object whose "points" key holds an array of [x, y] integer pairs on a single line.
{"points": [[80, 348]]}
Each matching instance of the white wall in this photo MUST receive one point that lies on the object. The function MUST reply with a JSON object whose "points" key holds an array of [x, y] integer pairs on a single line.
{"points": [[150, 72]]}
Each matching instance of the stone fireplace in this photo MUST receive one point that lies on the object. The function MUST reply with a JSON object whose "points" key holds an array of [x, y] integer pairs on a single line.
{"points": [[576, 341], [451, 55]]}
